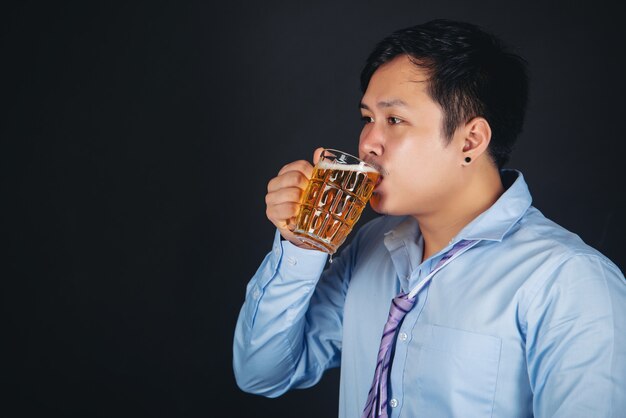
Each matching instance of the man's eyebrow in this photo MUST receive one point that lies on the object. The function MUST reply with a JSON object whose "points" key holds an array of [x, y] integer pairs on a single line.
{"points": [[384, 104]]}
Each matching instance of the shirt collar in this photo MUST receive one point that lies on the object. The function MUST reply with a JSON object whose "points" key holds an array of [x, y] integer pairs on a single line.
{"points": [[405, 243], [405, 246], [494, 223]]}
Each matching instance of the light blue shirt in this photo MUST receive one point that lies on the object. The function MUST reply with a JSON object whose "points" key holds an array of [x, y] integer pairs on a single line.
{"points": [[529, 322]]}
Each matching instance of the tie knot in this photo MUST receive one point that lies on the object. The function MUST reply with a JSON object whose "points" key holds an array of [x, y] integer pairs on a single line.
{"points": [[400, 306]]}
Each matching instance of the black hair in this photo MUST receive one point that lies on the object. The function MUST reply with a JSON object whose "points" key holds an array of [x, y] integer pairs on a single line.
{"points": [[472, 73]]}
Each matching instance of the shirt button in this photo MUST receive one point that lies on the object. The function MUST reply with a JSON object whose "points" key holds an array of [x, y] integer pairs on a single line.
{"points": [[256, 293], [276, 250], [393, 403], [292, 261], [402, 336]]}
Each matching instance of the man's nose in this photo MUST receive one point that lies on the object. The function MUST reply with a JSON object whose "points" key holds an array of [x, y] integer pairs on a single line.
{"points": [[371, 141]]}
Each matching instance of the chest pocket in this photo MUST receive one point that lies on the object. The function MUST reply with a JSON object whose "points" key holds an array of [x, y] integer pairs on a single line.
{"points": [[455, 372]]}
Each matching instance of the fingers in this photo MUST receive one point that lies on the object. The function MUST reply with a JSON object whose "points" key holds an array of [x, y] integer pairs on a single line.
{"points": [[288, 180], [282, 214], [317, 154], [282, 205], [283, 198], [284, 193]]}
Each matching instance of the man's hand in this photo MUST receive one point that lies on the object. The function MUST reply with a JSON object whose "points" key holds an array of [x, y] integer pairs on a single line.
{"points": [[283, 196]]}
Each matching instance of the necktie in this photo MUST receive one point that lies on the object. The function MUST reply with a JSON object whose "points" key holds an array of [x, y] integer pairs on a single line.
{"points": [[376, 405]]}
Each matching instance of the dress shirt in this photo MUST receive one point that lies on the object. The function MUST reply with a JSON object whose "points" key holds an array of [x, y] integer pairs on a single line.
{"points": [[530, 321]]}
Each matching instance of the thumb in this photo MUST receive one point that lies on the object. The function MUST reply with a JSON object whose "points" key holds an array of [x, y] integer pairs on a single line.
{"points": [[317, 155]]}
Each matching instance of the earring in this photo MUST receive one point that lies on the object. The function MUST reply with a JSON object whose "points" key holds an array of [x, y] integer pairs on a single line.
{"points": [[468, 159]]}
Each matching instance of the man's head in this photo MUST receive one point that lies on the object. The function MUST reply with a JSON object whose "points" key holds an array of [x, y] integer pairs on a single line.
{"points": [[470, 74]]}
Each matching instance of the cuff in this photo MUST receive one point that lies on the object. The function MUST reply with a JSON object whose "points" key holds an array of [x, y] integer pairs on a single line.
{"points": [[290, 258]]}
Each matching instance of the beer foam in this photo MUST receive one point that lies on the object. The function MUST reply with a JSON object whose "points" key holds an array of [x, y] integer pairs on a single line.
{"points": [[329, 165]]}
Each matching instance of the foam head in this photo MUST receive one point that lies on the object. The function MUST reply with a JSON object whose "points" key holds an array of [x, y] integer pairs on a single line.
{"points": [[332, 165]]}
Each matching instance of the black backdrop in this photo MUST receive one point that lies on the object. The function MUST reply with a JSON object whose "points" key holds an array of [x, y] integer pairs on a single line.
{"points": [[137, 141]]}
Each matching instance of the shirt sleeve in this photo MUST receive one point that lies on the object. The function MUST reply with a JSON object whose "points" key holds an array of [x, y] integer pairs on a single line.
{"points": [[289, 327], [576, 341]]}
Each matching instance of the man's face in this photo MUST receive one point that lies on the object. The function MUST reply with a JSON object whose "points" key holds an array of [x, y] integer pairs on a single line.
{"points": [[403, 135]]}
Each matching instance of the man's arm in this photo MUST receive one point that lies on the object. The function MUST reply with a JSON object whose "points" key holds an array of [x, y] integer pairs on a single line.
{"points": [[576, 341], [289, 328], [284, 336]]}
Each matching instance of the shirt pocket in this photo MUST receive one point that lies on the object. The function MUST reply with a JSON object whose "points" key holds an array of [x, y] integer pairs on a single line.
{"points": [[456, 372]]}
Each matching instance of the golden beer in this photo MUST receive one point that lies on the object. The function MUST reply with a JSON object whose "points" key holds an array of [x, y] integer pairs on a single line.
{"points": [[338, 190]]}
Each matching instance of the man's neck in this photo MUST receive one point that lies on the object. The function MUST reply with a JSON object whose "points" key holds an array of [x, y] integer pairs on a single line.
{"points": [[478, 195]]}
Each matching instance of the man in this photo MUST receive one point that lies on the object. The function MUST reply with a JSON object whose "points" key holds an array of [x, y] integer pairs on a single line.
{"points": [[510, 315]]}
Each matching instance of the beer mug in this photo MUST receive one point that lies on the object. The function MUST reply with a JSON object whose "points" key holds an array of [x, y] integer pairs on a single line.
{"points": [[338, 190]]}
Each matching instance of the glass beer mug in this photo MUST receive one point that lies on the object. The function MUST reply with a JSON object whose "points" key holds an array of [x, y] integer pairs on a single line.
{"points": [[338, 190]]}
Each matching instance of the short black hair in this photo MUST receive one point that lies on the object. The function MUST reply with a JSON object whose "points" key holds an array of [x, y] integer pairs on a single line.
{"points": [[472, 73]]}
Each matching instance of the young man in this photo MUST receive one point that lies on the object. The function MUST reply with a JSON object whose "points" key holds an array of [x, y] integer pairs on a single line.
{"points": [[497, 310]]}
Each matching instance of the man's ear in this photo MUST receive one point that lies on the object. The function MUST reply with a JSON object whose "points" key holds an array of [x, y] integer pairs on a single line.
{"points": [[477, 136]]}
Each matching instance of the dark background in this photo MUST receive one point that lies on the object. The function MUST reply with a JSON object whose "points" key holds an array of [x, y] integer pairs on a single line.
{"points": [[137, 142]]}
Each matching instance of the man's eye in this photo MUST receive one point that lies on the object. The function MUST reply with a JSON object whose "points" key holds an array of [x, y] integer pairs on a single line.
{"points": [[367, 119], [393, 120]]}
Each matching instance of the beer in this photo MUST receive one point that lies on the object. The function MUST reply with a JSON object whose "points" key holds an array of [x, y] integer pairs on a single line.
{"points": [[333, 200]]}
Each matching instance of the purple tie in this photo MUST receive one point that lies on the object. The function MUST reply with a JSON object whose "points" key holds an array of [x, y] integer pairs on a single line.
{"points": [[376, 405]]}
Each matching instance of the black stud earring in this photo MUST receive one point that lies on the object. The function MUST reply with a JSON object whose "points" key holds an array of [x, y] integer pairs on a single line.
{"points": [[468, 159]]}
